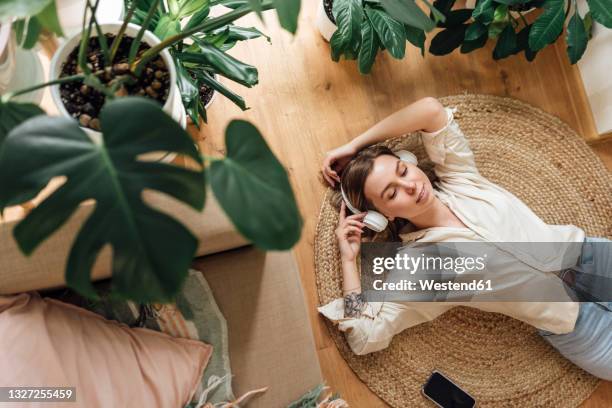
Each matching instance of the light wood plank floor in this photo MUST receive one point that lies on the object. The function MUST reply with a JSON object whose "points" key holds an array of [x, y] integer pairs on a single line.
{"points": [[306, 104]]}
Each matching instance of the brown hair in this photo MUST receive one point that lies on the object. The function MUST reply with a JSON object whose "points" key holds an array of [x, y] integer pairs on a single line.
{"points": [[353, 178]]}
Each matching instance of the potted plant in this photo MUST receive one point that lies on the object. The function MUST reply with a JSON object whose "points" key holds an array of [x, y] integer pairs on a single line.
{"points": [[503, 21], [106, 162], [359, 29], [202, 58]]}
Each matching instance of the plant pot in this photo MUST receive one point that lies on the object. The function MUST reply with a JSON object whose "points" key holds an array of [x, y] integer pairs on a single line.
{"points": [[173, 105], [326, 27]]}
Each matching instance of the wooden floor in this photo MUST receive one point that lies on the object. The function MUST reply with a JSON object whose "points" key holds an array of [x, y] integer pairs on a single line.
{"points": [[306, 104]]}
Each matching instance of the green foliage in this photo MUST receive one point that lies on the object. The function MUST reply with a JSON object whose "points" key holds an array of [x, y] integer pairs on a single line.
{"points": [[576, 38], [548, 26], [33, 16], [409, 13], [12, 114], [253, 189], [369, 47], [151, 251], [601, 10], [496, 19], [347, 38], [365, 28], [391, 32]]}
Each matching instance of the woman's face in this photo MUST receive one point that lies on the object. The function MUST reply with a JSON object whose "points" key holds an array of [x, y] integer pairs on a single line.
{"points": [[398, 189]]}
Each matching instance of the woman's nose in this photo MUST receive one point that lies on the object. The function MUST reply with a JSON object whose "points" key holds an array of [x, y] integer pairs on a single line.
{"points": [[410, 186]]}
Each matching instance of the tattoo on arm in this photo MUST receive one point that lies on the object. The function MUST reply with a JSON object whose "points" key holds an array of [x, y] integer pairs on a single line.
{"points": [[354, 304]]}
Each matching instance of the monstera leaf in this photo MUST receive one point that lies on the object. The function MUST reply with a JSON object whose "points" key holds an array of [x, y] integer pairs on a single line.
{"points": [[253, 189], [13, 114], [151, 251]]}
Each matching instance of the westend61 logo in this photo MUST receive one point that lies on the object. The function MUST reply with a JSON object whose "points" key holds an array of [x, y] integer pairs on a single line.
{"points": [[412, 264]]}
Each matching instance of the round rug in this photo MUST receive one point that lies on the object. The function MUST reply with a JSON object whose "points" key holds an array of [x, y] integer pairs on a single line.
{"points": [[500, 361]]}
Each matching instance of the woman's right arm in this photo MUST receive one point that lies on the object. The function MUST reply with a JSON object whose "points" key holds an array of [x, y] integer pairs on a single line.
{"points": [[426, 114]]}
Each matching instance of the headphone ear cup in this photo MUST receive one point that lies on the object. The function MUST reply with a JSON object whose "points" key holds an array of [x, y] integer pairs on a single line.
{"points": [[407, 156], [375, 221]]}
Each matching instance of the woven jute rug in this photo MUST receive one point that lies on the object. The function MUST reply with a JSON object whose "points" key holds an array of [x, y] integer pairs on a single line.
{"points": [[501, 361]]}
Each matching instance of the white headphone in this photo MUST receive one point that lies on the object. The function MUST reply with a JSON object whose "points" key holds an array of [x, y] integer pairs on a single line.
{"points": [[373, 219]]}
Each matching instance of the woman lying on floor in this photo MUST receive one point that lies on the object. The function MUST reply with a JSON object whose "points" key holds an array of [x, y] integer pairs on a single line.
{"points": [[462, 207]]}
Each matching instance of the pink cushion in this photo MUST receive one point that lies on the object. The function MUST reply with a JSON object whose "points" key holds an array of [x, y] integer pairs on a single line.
{"points": [[44, 342]]}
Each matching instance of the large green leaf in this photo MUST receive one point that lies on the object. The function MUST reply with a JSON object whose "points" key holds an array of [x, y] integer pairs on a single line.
{"points": [[33, 31], [475, 31], [13, 114], [548, 26], [576, 38], [346, 39], [408, 13], [447, 40], [601, 10], [484, 11], [369, 47], [506, 43], [151, 250], [522, 43], [48, 18], [456, 17], [253, 189], [288, 12], [188, 89], [225, 64], [471, 45], [198, 18], [21, 8], [390, 32], [416, 38]]}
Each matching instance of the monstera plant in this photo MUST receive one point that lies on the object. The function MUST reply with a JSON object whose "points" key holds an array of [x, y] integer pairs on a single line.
{"points": [[107, 162], [30, 18], [366, 27], [503, 21], [203, 56]]}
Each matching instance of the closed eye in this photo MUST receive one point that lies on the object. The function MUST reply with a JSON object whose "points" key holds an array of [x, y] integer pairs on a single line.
{"points": [[394, 194], [404, 172]]}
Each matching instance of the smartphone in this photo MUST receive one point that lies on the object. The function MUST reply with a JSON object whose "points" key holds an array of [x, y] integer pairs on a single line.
{"points": [[445, 393]]}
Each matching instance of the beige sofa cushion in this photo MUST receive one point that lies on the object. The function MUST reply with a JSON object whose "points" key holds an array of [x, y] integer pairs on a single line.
{"points": [[270, 340], [45, 267]]}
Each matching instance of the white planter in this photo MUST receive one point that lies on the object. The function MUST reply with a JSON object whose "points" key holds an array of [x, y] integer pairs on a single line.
{"points": [[173, 105], [324, 24]]}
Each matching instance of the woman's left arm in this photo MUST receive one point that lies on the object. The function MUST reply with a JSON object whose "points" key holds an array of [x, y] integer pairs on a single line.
{"points": [[426, 114]]}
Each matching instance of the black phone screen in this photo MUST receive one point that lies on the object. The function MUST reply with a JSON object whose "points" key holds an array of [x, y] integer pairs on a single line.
{"points": [[446, 394]]}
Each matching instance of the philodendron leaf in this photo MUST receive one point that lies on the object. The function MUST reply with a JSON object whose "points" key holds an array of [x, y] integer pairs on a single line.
{"points": [[225, 64], [601, 10], [475, 31], [506, 43], [407, 12], [548, 26], [390, 32], [576, 38], [288, 12], [369, 47], [151, 250], [253, 189], [416, 37], [346, 39], [447, 40], [21, 8], [484, 11], [13, 114]]}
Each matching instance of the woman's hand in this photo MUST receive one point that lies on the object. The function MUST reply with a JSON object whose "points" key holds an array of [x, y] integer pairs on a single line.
{"points": [[348, 234], [335, 160]]}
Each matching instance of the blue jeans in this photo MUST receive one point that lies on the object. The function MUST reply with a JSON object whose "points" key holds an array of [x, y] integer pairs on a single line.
{"points": [[589, 346]]}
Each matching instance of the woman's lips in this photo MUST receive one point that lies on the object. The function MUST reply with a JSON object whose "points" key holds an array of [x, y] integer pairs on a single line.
{"points": [[422, 194]]}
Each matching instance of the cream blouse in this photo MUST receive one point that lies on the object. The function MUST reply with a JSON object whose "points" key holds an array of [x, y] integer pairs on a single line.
{"points": [[492, 214]]}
